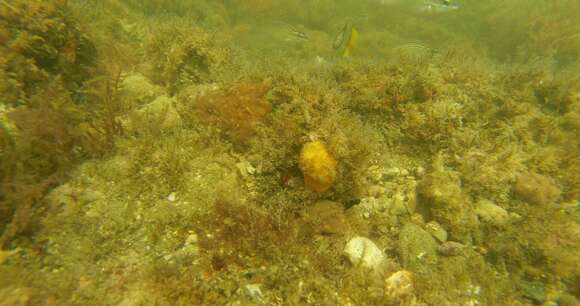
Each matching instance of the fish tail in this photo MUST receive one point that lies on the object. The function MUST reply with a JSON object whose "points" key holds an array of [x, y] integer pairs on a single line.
{"points": [[346, 52], [351, 43]]}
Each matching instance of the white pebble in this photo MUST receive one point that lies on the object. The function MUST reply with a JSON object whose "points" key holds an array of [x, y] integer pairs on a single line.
{"points": [[363, 252], [254, 291], [172, 197]]}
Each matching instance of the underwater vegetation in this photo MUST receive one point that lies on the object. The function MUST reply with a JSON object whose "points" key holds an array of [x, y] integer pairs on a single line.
{"points": [[289, 152], [239, 109]]}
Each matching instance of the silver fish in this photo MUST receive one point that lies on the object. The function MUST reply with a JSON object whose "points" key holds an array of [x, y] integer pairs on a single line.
{"points": [[297, 33], [442, 6], [343, 36]]}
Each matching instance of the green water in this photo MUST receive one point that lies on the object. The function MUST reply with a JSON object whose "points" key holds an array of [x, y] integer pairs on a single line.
{"points": [[300, 152]]}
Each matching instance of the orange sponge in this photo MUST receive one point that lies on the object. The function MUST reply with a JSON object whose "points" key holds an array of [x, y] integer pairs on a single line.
{"points": [[318, 166]]}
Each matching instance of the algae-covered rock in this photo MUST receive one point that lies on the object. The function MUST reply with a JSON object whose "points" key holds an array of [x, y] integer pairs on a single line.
{"points": [[491, 213], [139, 90], [159, 114], [441, 195], [417, 248], [534, 290], [437, 231], [536, 188], [450, 248], [327, 218]]}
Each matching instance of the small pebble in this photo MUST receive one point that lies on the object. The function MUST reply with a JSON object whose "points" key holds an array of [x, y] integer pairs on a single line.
{"points": [[254, 291], [172, 197]]}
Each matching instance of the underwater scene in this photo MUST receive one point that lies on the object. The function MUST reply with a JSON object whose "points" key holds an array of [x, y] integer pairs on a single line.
{"points": [[296, 152]]}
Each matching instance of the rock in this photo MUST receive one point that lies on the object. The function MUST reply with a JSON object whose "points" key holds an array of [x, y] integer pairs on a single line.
{"points": [[160, 113], [393, 172], [401, 205], [490, 213], [362, 252], [254, 292], [536, 189], [139, 90], [437, 231], [172, 197], [450, 248], [441, 194], [535, 291], [417, 248], [327, 218], [375, 191]]}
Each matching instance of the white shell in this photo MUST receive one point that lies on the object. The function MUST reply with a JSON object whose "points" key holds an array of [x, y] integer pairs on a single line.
{"points": [[363, 252]]}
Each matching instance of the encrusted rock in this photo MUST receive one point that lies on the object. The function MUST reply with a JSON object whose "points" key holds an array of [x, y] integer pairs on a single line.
{"points": [[450, 248], [160, 113], [139, 90], [327, 218], [417, 248], [490, 213], [437, 231]]}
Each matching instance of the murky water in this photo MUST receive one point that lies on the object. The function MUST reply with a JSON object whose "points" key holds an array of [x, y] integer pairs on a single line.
{"points": [[301, 152]]}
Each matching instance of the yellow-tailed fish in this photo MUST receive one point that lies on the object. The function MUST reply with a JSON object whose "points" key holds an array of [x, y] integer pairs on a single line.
{"points": [[346, 40]]}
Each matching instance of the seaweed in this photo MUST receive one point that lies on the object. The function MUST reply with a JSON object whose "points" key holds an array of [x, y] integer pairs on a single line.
{"points": [[238, 110]]}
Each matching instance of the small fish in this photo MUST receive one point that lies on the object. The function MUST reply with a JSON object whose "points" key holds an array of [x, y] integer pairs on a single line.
{"points": [[346, 40], [440, 6], [295, 32]]}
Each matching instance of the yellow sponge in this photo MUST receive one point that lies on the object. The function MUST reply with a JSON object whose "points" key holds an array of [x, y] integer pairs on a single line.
{"points": [[318, 166]]}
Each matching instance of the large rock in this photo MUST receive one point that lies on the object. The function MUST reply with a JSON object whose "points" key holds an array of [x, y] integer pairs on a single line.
{"points": [[159, 114], [417, 248]]}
